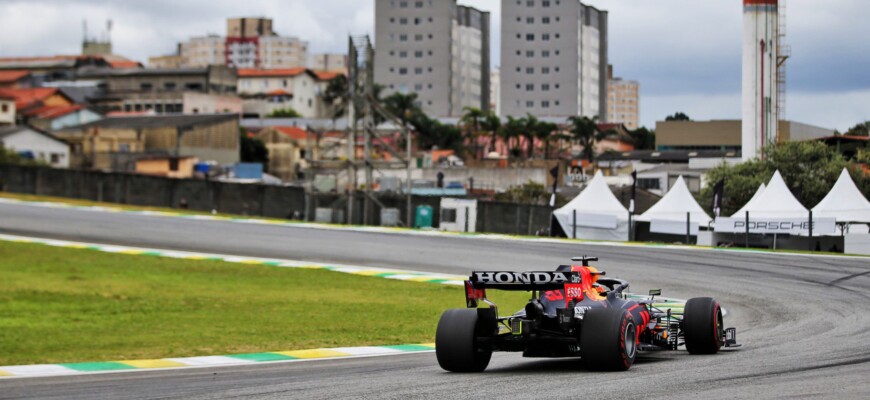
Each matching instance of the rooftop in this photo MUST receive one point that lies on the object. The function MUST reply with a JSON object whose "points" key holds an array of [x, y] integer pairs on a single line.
{"points": [[156, 121]]}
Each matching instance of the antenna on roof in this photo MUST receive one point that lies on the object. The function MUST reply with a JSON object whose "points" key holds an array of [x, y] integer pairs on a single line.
{"points": [[85, 30]]}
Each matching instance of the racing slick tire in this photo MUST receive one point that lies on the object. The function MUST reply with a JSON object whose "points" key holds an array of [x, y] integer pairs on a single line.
{"points": [[702, 326], [608, 339], [456, 345]]}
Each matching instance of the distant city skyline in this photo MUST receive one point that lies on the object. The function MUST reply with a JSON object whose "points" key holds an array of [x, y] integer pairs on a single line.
{"points": [[685, 54]]}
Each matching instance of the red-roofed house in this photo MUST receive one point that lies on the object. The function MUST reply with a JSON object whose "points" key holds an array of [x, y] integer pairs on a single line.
{"points": [[268, 90], [52, 118], [27, 100], [15, 79], [288, 147]]}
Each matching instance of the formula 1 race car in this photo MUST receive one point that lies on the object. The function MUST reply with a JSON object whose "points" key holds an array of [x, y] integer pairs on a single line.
{"points": [[575, 311]]}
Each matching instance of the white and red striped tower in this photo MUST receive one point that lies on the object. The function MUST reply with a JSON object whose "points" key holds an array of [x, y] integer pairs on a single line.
{"points": [[760, 56]]}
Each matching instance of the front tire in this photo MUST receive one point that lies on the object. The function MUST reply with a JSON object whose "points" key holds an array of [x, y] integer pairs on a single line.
{"points": [[456, 344], [702, 326], [608, 339]]}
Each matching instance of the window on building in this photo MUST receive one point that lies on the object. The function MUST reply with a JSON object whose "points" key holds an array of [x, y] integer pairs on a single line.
{"points": [[530, 87], [530, 3], [530, 70], [416, 21], [530, 53], [545, 87], [530, 104], [4, 108], [403, 21], [403, 38], [146, 86], [403, 4], [169, 86], [545, 53], [530, 37], [418, 37], [418, 70], [545, 20], [403, 54], [418, 4], [545, 70], [403, 71], [545, 36], [173, 164], [418, 87], [530, 20], [545, 104], [418, 54]]}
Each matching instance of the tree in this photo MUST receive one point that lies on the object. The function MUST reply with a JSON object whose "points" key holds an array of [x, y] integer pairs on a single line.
{"points": [[403, 106], [585, 131], [471, 120], [679, 116], [529, 130], [544, 133], [253, 150], [644, 139], [492, 125], [530, 192], [513, 129], [809, 168], [861, 129], [11, 157], [335, 96], [288, 112]]}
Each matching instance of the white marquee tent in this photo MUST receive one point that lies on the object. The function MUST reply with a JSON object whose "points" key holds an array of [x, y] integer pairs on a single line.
{"points": [[674, 206], [600, 216], [776, 201], [844, 202], [742, 211]]}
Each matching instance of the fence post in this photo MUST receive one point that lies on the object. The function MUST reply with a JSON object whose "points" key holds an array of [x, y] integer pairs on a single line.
{"points": [[811, 230], [688, 227], [747, 230], [467, 215], [574, 225], [518, 219]]}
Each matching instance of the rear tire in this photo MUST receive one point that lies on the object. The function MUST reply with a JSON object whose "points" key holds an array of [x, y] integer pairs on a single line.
{"points": [[702, 326], [608, 339], [456, 344]]}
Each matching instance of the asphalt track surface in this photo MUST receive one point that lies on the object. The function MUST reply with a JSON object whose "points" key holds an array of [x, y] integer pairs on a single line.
{"points": [[803, 320]]}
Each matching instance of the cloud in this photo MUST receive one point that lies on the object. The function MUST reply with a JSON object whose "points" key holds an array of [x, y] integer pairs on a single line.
{"points": [[686, 54]]}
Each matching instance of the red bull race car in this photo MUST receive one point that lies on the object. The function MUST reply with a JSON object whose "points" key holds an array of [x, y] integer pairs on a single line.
{"points": [[575, 311]]}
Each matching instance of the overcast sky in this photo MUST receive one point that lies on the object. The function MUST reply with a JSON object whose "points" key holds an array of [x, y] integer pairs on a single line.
{"points": [[686, 54]]}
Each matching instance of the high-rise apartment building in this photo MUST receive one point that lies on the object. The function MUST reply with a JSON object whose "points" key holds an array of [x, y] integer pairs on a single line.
{"points": [[553, 59], [249, 43], [623, 101], [329, 62], [435, 48], [203, 51]]}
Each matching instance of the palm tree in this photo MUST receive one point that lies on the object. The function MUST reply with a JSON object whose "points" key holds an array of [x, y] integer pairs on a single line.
{"points": [[513, 129], [585, 131], [471, 120], [492, 124], [403, 106], [544, 132], [531, 126]]}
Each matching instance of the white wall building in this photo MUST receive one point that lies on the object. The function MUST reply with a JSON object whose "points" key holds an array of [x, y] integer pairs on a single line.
{"points": [[37, 144], [265, 91], [437, 49], [553, 59], [7, 111]]}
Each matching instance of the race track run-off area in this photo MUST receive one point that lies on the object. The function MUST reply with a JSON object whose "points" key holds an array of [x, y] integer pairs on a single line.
{"points": [[802, 319]]}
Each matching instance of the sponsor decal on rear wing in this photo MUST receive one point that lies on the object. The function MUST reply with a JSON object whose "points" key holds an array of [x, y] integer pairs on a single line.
{"points": [[532, 280]]}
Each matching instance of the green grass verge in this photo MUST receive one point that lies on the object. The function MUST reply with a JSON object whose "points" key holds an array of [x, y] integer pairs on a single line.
{"points": [[62, 305]]}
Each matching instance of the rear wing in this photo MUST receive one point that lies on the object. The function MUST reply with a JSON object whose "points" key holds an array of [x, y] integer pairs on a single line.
{"points": [[479, 281], [527, 281]]}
